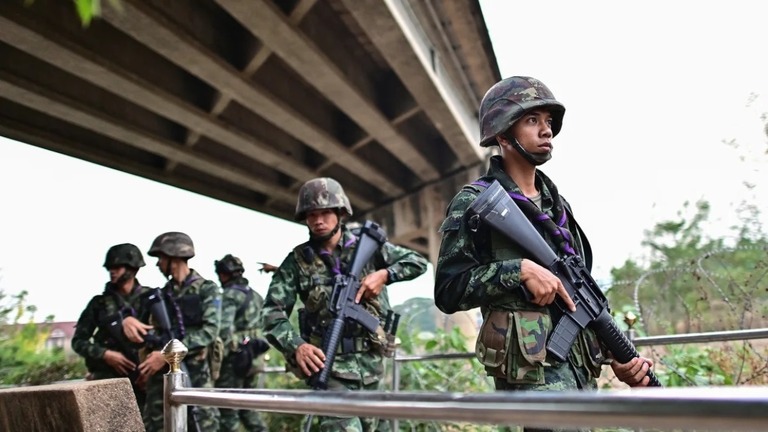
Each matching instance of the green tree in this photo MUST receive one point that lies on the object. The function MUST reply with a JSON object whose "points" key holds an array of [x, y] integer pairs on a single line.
{"points": [[24, 360]]}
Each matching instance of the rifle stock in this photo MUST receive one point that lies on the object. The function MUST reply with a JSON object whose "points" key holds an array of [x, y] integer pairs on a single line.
{"points": [[497, 209]]}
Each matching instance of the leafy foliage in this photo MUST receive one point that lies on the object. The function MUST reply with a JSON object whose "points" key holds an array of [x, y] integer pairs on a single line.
{"points": [[23, 357]]}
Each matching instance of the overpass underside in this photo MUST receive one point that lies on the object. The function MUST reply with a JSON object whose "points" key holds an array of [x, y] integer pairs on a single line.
{"points": [[244, 101]]}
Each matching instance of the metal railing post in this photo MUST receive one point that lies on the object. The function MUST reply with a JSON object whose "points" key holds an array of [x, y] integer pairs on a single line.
{"points": [[630, 319], [174, 415], [396, 380]]}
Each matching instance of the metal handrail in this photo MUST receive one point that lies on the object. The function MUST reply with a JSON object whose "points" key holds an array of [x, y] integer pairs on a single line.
{"points": [[706, 408], [721, 336], [712, 408]]}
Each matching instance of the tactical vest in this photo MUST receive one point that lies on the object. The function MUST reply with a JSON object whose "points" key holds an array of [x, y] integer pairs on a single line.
{"points": [[513, 358], [316, 294], [190, 303]]}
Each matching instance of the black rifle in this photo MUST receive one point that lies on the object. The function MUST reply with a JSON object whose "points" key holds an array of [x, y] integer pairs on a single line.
{"points": [[499, 211], [114, 325], [342, 302], [160, 335]]}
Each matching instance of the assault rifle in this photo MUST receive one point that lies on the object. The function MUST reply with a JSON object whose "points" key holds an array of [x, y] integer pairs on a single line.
{"points": [[342, 302], [160, 335], [498, 210], [114, 325]]}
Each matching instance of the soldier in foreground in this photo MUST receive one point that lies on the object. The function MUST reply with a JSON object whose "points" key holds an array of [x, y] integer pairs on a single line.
{"points": [[193, 305], [478, 267], [241, 306], [98, 336], [307, 274]]}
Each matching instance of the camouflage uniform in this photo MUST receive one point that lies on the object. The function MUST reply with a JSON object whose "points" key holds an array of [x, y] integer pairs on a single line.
{"points": [[92, 336], [241, 306], [478, 267], [308, 274], [194, 307]]}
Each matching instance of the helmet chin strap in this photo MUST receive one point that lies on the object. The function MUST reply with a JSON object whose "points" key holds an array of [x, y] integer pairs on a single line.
{"points": [[127, 275], [534, 159], [320, 239]]}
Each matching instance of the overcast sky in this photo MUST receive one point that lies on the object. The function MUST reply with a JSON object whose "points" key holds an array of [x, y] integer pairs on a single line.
{"points": [[652, 89]]}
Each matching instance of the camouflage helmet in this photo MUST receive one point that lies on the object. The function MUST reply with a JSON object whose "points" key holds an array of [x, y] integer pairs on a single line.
{"points": [[321, 193], [124, 254], [229, 264], [172, 244], [510, 98]]}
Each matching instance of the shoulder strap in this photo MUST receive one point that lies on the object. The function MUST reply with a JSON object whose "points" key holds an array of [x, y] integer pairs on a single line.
{"points": [[248, 297]]}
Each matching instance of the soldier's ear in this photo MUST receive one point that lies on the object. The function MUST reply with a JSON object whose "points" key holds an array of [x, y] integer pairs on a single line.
{"points": [[502, 140]]}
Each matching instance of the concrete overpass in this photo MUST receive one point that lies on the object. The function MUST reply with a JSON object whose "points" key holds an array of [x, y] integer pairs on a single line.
{"points": [[243, 101]]}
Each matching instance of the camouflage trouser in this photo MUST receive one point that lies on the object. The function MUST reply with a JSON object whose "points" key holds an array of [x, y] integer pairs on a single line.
{"points": [[230, 419], [347, 424], [199, 376], [563, 376]]}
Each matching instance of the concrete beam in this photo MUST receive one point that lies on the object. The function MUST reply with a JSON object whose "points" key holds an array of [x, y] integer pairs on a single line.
{"points": [[222, 100], [59, 144], [55, 50], [159, 34], [44, 100], [270, 25], [397, 35]]}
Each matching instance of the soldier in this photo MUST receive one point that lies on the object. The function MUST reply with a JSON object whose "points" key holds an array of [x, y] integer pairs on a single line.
{"points": [[307, 273], [98, 336], [241, 306], [193, 305], [477, 268]]}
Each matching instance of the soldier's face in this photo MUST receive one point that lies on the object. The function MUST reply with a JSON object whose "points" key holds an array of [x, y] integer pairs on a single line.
{"points": [[322, 222], [115, 273], [534, 131], [164, 264]]}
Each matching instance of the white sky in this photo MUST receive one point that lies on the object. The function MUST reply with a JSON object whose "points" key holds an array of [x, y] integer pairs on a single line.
{"points": [[651, 89]]}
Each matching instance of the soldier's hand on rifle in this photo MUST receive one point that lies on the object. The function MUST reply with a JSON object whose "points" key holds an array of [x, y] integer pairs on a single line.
{"points": [[371, 285], [543, 285], [134, 329], [153, 364], [634, 373], [309, 358], [118, 362]]}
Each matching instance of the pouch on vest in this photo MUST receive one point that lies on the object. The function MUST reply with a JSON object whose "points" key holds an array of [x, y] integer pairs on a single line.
{"points": [[216, 348], [191, 306], [492, 343], [528, 348]]}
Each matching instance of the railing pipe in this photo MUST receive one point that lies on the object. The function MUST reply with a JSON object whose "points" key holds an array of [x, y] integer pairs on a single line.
{"points": [[714, 408], [720, 336]]}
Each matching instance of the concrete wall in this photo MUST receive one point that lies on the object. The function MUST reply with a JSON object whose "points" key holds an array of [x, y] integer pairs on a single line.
{"points": [[87, 406]]}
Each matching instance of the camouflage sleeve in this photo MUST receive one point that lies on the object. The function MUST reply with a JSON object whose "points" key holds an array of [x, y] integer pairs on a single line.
{"points": [[230, 301], [462, 282], [82, 342], [200, 337], [258, 308], [278, 306], [402, 263]]}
